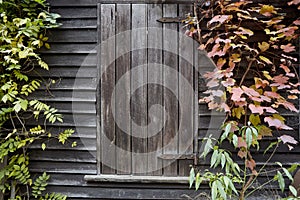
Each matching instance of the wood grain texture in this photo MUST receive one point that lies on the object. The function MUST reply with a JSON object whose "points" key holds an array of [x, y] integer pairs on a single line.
{"points": [[123, 63], [107, 60], [155, 91], [139, 94], [186, 95], [170, 134]]}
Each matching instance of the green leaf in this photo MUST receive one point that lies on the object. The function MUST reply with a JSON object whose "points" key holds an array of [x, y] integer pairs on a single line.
{"points": [[265, 59], [226, 132], [280, 181], [214, 191], [214, 157], [43, 146], [248, 137], [288, 174], [192, 177], [254, 119], [198, 180], [235, 140], [293, 190], [221, 189]]}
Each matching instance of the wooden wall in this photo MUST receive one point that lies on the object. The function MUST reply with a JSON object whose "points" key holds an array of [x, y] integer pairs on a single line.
{"points": [[71, 44]]}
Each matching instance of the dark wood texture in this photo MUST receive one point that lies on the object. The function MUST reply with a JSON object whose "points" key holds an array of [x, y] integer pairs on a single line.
{"points": [[75, 60]]}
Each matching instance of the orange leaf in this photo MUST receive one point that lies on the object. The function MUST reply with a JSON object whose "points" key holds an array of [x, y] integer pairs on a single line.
{"points": [[288, 48], [263, 46]]}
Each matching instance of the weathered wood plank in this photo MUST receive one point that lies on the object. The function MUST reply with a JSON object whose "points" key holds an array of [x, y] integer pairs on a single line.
{"points": [[77, 23], [63, 167], [137, 179], [120, 193], [72, 60], [155, 91], [73, 36], [138, 89], [123, 126], [76, 12], [56, 72], [186, 95], [107, 60], [70, 48], [63, 156], [170, 134]]}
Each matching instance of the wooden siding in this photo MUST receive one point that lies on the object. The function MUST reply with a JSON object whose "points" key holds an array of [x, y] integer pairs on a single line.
{"points": [[71, 44]]}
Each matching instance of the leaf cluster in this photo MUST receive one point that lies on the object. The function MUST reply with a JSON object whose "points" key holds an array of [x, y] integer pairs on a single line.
{"points": [[23, 31], [255, 80]]}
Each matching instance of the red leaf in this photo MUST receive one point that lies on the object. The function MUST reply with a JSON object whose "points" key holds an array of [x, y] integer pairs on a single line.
{"points": [[274, 95], [242, 154], [276, 123], [228, 82], [256, 109], [236, 94], [288, 139], [212, 83], [297, 22], [250, 92], [285, 68], [270, 110], [287, 48], [289, 106], [250, 164], [294, 91], [219, 19], [241, 143], [294, 2]]}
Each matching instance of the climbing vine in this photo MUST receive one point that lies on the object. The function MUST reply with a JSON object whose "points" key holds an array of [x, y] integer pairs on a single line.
{"points": [[255, 82], [23, 31]]}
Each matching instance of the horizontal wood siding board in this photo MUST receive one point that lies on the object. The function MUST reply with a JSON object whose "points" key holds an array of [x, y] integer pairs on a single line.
{"points": [[136, 179], [89, 3], [63, 156], [121, 193], [73, 36]]}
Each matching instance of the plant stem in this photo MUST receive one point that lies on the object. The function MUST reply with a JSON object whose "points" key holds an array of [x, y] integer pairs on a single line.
{"points": [[259, 187], [246, 72], [267, 161]]}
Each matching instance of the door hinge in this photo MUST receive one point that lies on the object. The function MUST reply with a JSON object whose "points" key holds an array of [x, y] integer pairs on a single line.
{"points": [[170, 20]]}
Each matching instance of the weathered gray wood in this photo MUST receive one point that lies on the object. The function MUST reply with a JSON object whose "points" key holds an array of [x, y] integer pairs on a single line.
{"points": [[113, 192], [155, 91], [73, 60], [170, 134], [139, 96], [63, 167], [73, 36], [78, 23], [107, 54], [137, 179], [72, 48], [186, 95], [79, 12], [123, 138]]}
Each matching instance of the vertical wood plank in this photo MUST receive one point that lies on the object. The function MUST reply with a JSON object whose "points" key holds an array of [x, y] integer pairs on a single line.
{"points": [[170, 42], [123, 139], [154, 91], [139, 96], [98, 91], [107, 54], [186, 99]]}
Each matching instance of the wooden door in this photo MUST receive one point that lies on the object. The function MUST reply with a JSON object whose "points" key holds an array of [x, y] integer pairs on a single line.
{"points": [[147, 104]]}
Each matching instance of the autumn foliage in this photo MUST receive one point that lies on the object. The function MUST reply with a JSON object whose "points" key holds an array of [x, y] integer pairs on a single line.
{"points": [[255, 80]]}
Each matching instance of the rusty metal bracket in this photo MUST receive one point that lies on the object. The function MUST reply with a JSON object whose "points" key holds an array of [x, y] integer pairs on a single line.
{"points": [[170, 20]]}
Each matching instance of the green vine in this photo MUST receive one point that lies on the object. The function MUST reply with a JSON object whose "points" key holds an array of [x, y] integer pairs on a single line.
{"points": [[23, 31]]}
